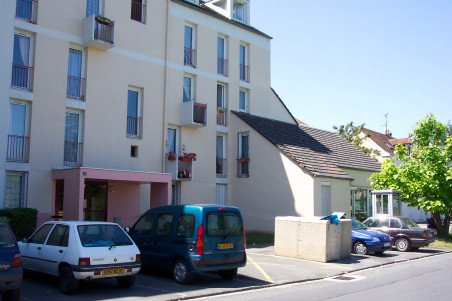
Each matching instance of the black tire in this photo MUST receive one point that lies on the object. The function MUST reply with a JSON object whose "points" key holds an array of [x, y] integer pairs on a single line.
{"points": [[402, 244], [12, 295], [126, 281], [181, 272], [360, 248], [67, 282], [228, 274]]}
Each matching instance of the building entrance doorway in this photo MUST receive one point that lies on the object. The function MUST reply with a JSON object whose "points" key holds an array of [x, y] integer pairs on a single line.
{"points": [[95, 202]]}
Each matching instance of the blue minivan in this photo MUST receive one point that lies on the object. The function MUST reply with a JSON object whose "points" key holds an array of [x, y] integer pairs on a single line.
{"points": [[191, 238]]}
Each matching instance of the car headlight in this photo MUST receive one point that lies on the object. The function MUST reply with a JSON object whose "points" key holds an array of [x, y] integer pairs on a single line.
{"points": [[375, 239]]}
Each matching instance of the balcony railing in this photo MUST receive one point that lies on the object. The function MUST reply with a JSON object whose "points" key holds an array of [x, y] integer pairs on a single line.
{"points": [[244, 73], [221, 116], [104, 31], [22, 77], [134, 126], [75, 87], [184, 168], [190, 57], [194, 113], [98, 32], [72, 153], [18, 148], [221, 167], [138, 12], [26, 10], [222, 65], [243, 168]]}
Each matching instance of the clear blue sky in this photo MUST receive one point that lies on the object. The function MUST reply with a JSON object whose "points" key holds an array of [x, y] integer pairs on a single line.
{"points": [[336, 61]]}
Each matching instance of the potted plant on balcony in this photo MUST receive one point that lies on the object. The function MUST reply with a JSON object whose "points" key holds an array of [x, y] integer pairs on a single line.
{"points": [[172, 156], [103, 20], [188, 157]]}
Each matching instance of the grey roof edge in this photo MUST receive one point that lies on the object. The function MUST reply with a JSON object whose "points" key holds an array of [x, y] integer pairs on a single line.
{"points": [[204, 9]]}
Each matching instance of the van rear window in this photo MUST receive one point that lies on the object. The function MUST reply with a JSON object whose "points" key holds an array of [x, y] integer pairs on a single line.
{"points": [[223, 223]]}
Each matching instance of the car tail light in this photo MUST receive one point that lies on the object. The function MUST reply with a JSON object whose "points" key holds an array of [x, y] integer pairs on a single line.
{"points": [[84, 261], [200, 240], [222, 208], [138, 258], [17, 261]]}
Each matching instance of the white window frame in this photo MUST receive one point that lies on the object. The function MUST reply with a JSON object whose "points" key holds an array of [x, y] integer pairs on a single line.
{"points": [[223, 95], [234, 11], [240, 150], [139, 110], [192, 87], [31, 49], [223, 137], [82, 69], [27, 116], [245, 93], [24, 189], [176, 138], [220, 36], [80, 124]]}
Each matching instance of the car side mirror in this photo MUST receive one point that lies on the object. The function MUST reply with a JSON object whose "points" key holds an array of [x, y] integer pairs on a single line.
{"points": [[127, 229], [25, 240]]}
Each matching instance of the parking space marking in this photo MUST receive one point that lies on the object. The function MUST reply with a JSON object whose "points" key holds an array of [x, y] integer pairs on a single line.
{"points": [[261, 270], [327, 265]]}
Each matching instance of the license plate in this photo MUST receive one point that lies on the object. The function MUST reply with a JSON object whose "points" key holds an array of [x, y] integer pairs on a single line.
{"points": [[225, 246], [113, 271], [387, 244]]}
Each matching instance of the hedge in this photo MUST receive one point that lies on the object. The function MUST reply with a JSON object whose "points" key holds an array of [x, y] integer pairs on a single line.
{"points": [[21, 220]]}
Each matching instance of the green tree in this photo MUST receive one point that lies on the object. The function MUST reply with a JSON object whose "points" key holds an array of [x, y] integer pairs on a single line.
{"points": [[352, 134], [424, 175]]}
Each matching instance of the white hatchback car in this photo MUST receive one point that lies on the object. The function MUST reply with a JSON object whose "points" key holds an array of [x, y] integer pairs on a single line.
{"points": [[76, 250]]}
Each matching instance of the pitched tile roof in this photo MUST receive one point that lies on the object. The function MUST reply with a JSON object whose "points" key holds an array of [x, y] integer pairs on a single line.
{"points": [[386, 142], [322, 153]]}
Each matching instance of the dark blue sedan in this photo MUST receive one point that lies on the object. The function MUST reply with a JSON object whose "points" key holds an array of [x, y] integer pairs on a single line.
{"points": [[10, 265], [365, 240]]}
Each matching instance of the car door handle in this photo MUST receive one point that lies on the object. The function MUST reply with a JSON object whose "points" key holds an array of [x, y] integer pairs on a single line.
{"points": [[61, 251], [39, 248]]}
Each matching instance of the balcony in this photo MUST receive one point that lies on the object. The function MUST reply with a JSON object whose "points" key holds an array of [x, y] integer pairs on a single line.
{"points": [[75, 88], [18, 148], [181, 168], [222, 168], [221, 116], [138, 12], [190, 57], [194, 114], [72, 153], [98, 32], [22, 77], [244, 73], [222, 65], [243, 168], [134, 126], [26, 10]]}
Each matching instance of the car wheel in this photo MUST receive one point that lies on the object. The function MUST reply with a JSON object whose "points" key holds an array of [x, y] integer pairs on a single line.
{"points": [[228, 274], [67, 282], [360, 248], [181, 272], [12, 295], [126, 281], [402, 244]]}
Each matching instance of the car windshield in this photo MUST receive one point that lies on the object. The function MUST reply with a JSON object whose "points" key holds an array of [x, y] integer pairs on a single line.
{"points": [[6, 239], [101, 235], [409, 222], [357, 225]]}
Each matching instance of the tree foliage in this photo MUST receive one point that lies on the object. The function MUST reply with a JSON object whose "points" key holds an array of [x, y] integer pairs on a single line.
{"points": [[352, 134], [424, 175]]}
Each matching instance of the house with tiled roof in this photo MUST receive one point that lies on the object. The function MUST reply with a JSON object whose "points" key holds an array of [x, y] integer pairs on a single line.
{"points": [[298, 170]]}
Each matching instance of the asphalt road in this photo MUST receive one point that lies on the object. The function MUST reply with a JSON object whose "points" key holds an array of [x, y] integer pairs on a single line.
{"points": [[423, 279]]}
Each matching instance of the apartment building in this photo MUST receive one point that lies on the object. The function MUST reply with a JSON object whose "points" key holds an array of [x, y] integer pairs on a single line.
{"points": [[109, 107]]}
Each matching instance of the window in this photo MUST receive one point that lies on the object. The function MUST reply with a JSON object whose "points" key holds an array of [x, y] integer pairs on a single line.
{"points": [[59, 236], [144, 225], [75, 82], [221, 194], [72, 138], [21, 72], [15, 190], [164, 225], [326, 198], [175, 193], [92, 7], [221, 104], [138, 11], [221, 56], [239, 11], [186, 226], [18, 133], [220, 155], [26, 10], [223, 223], [243, 101], [243, 155], [244, 72], [189, 51], [188, 89], [39, 237], [134, 151], [134, 120], [171, 141]]}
